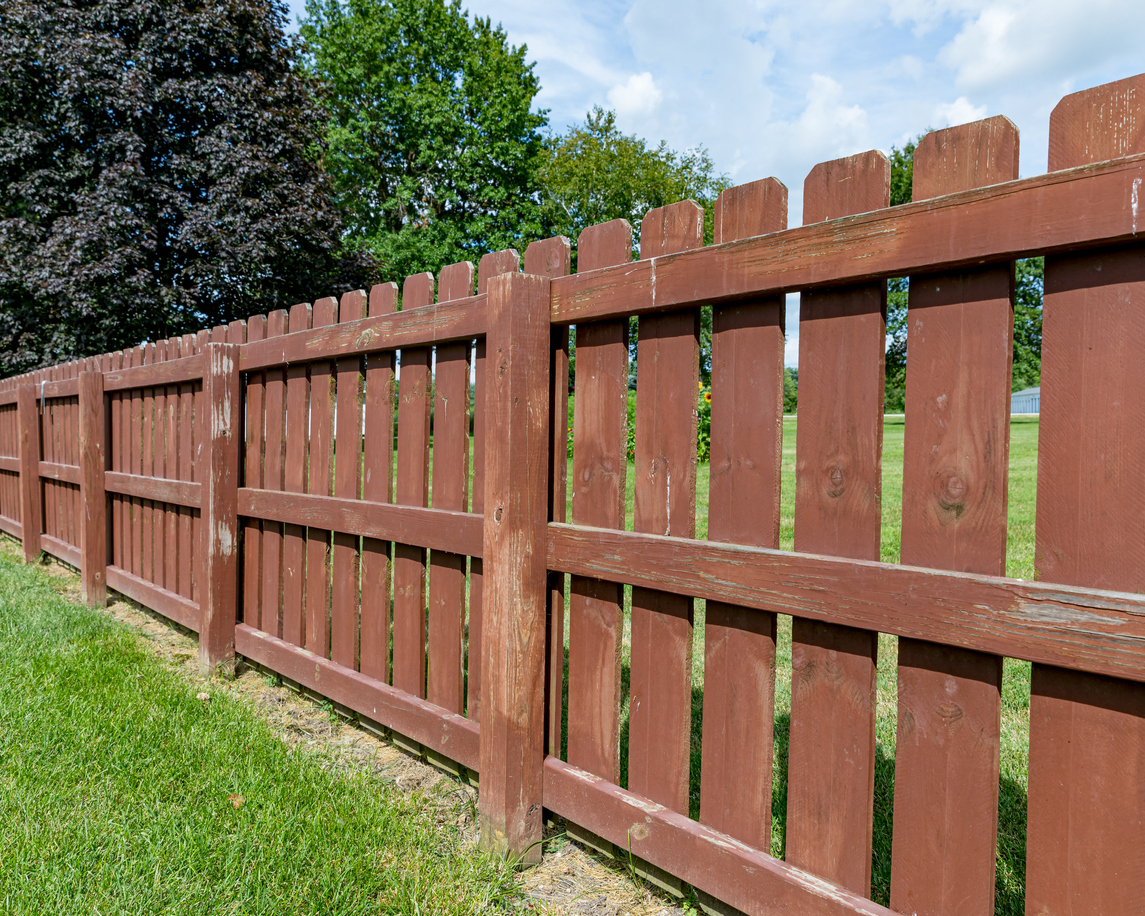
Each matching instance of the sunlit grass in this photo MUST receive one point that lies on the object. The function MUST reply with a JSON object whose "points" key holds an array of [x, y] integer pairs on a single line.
{"points": [[121, 792]]}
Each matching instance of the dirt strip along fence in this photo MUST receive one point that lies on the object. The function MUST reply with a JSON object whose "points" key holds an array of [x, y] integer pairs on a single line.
{"points": [[244, 483]]}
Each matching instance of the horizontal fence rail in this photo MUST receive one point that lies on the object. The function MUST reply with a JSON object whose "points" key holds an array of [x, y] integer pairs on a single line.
{"points": [[367, 496]]}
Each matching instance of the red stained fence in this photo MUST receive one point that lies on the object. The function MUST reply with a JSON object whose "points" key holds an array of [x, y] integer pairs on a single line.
{"points": [[244, 483]]}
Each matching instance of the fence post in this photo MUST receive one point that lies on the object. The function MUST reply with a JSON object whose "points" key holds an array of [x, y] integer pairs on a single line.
{"points": [[28, 418], [219, 597], [93, 496], [515, 582]]}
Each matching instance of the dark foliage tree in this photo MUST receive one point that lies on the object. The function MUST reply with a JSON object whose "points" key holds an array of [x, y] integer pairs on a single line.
{"points": [[1027, 369], [160, 171], [433, 140]]}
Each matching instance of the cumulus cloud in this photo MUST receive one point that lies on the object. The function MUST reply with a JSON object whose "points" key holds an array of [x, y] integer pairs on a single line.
{"points": [[636, 98], [960, 111], [827, 123], [1013, 41]]}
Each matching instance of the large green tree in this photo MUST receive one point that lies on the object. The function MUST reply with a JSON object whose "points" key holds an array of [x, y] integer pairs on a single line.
{"points": [[433, 140], [159, 171], [594, 172], [1028, 289]]}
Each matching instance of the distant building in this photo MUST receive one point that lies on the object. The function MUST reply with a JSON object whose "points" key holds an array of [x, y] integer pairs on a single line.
{"points": [[1028, 400]]}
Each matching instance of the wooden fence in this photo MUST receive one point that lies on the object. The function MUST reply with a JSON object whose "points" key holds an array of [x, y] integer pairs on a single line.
{"points": [[244, 483]]}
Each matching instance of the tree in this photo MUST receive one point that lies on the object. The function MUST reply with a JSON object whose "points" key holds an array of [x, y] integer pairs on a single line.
{"points": [[1027, 367], [594, 173], [902, 174], [160, 170], [433, 140]]}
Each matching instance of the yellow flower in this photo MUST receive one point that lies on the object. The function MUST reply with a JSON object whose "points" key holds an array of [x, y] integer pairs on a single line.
{"points": [[708, 397], [700, 385]]}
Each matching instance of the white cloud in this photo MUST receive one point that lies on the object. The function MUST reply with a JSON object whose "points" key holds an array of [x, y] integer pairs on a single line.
{"points": [[636, 98], [827, 124], [960, 111], [1015, 41]]}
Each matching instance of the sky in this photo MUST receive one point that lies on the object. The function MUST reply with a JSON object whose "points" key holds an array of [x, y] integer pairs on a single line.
{"points": [[772, 88]]}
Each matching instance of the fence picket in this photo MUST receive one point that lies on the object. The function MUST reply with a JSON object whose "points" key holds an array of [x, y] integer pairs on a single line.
{"points": [[831, 751], [445, 681], [955, 467], [491, 265], [320, 483], [297, 436], [600, 466], [187, 515], [252, 478], [378, 486], [667, 383], [273, 478], [746, 448], [412, 489], [1086, 825], [347, 484]]}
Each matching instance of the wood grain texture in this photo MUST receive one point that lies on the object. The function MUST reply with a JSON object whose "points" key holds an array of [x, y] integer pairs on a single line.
{"points": [[412, 489], [93, 497], [171, 470], [435, 529], [490, 265], [746, 447], [219, 607], [449, 734], [116, 445], [347, 485], [135, 464], [838, 479], [956, 460], [147, 469], [429, 324], [297, 437], [668, 371], [516, 501], [273, 478], [255, 392], [1048, 213], [600, 466], [320, 482], [378, 487], [552, 257], [1086, 822], [28, 419], [1078, 628], [445, 678], [712, 862], [177, 492]]}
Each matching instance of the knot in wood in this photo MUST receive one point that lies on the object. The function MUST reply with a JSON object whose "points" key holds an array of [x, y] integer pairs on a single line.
{"points": [[836, 482], [950, 488]]}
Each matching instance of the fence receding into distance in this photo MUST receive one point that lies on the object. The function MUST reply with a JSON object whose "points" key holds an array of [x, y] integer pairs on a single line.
{"points": [[245, 482]]}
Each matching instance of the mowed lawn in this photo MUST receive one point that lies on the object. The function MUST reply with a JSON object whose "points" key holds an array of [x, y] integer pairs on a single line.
{"points": [[121, 792], [1016, 674]]}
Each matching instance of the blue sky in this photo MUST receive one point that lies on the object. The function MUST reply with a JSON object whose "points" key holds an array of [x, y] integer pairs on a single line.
{"points": [[771, 88]]}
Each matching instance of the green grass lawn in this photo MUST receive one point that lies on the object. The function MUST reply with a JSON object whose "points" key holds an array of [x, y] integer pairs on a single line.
{"points": [[1016, 674], [116, 788]]}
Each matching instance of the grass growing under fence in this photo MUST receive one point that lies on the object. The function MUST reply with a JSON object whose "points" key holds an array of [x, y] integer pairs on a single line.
{"points": [[121, 792]]}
